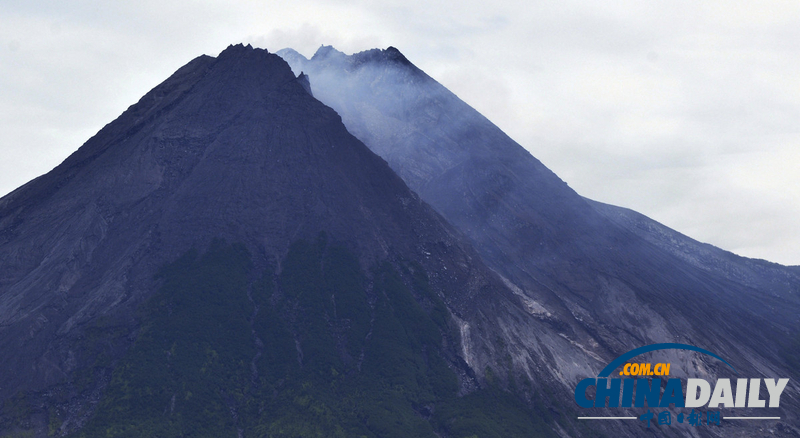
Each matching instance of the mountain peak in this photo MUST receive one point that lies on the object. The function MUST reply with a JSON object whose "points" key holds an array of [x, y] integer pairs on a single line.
{"points": [[391, 54], [290, 53], [232, 148], [340, 283], [239, 50], [325, 52], [331, 54]]}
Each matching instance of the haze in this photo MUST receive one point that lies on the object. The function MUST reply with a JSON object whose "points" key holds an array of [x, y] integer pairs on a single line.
{"points": [[684, 111]]}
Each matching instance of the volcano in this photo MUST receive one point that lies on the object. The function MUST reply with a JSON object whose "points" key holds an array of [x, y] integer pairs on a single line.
{"points": [[222, 248], [350, 251], [605, 277]]}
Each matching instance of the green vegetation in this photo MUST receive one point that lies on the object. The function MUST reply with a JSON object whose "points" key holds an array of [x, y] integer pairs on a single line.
{"points": [[16, 415], [330, 352], [189, 363]]}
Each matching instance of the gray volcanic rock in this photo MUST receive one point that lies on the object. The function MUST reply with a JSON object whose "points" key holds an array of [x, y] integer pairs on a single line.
{"points": [[99, 289], [233, 147], [758, 274], [606, 281]]}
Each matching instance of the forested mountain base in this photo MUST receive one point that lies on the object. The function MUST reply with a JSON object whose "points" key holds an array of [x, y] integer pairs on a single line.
{"points": [[319, 349]]}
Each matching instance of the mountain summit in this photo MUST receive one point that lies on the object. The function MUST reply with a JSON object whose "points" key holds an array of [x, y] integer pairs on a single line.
{"points": [[229, 258], [225, 258], [603, 277]]}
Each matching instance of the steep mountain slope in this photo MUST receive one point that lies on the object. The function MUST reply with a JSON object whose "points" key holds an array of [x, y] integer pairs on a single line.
{"points": [[758, 274], [225, 259], [602, 283]]}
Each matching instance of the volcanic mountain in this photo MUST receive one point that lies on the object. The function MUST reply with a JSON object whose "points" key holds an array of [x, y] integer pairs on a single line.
{"points": [[606, 278], [225, 259]]}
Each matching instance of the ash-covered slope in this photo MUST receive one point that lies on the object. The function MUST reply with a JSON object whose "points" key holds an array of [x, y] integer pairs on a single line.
{"points": [[755, 273], [226, 259], [602, 283]]}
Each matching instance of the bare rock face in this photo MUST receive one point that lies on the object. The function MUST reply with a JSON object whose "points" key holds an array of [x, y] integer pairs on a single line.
{"points": [[604, 278], [233, 149], [227, 259]]}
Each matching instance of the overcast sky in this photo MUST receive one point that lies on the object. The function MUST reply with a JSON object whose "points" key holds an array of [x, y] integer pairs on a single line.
{"points": [[686, 111]]}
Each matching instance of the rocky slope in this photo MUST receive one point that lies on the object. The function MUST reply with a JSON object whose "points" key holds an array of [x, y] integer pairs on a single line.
{"points": [[607, 281], [226, 259]]}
